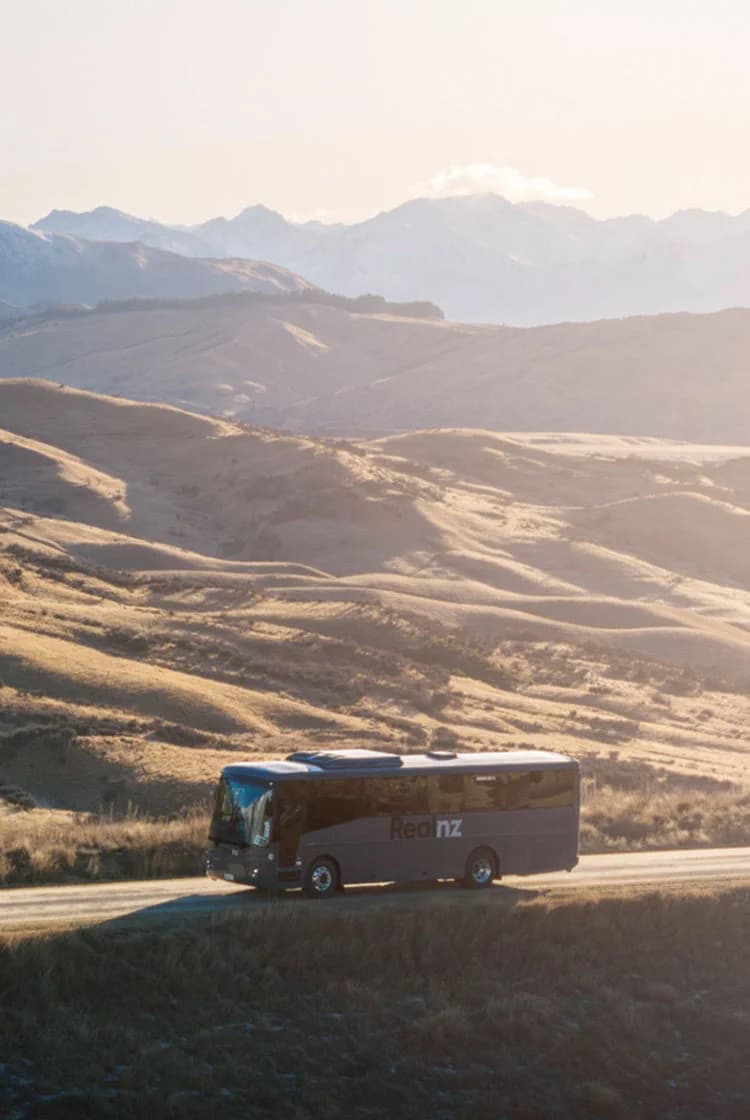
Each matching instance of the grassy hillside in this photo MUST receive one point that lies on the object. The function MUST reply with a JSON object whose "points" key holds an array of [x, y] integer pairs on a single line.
{"points": [[487, 1006], [178, 592], [318, 367]]}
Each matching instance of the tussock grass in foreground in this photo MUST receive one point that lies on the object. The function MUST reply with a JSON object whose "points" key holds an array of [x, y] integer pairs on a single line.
{"points": [[46, 847], [628, 1007]]}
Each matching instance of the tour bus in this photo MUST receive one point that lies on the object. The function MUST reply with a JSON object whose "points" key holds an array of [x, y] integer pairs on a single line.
{"points": [[320, 820]]}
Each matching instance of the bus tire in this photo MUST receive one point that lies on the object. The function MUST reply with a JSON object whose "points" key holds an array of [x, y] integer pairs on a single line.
{"points": [[322, 878], [481, 869]]}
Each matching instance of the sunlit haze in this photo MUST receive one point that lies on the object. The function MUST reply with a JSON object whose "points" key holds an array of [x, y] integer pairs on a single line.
{"points": [[374, 579], [180, 109]]}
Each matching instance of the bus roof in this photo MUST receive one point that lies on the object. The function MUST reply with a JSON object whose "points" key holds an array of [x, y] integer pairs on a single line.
{"points": [[371, 764]]}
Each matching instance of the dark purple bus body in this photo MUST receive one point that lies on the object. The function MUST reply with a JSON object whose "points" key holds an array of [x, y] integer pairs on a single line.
{"points": [[375, 817]]}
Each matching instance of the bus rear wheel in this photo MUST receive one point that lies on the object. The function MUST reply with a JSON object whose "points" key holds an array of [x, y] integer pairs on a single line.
{"points": [[481, 869], [322, 879]]}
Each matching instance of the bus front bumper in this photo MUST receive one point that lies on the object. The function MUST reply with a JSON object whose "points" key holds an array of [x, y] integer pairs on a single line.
{"points": [[241, 865]]}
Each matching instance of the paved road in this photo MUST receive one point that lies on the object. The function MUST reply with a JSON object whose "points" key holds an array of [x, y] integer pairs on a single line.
{"points": [[145, 901]]}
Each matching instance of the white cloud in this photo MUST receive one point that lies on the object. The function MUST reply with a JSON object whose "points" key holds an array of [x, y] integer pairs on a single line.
{"points": [[489, 178]]}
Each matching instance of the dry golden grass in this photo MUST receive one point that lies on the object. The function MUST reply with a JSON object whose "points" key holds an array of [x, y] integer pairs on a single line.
{"points": [[662, 750], [633, 820], [631, 543], [593, 1008], [58, 847]]}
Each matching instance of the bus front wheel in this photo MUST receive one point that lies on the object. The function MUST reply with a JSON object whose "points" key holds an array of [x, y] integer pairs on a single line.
{"points": [[481, 869], [322, 879]]}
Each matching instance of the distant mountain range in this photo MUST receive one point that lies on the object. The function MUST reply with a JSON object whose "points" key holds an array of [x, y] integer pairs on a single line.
{"points": [[480, 258], [42, 267]]}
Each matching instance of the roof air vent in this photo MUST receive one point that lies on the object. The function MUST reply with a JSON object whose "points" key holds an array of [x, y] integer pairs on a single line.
{"points": [[442, 756]]}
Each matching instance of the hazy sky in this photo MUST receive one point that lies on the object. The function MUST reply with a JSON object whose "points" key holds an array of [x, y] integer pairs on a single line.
{"points": [[183, 109]]}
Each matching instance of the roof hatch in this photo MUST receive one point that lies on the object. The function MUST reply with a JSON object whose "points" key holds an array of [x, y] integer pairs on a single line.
{"points": [[347, 760]]}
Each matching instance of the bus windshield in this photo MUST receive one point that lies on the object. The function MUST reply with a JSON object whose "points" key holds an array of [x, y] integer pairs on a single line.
{"points": [[242, 812]]}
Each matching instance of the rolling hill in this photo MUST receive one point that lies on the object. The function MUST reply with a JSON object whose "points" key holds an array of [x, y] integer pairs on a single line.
{"points": [[308, 365], [177, 590]]}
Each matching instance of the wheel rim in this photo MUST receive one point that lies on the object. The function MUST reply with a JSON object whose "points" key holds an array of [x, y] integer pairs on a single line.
{"points": [[481, 869], [322, 879]]}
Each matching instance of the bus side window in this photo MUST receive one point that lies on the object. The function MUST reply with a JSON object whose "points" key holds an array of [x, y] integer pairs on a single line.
{"points": [[500, 792], [374, 796], [292, 818], [292, 805], [413, 795], [445, 793], [555, 790], [395, 796], [519, 791], [484, 793], [334, 801]]}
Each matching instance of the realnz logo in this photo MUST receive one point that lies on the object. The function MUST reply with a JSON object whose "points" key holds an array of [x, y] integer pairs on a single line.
{"points": [[451, 829]]}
